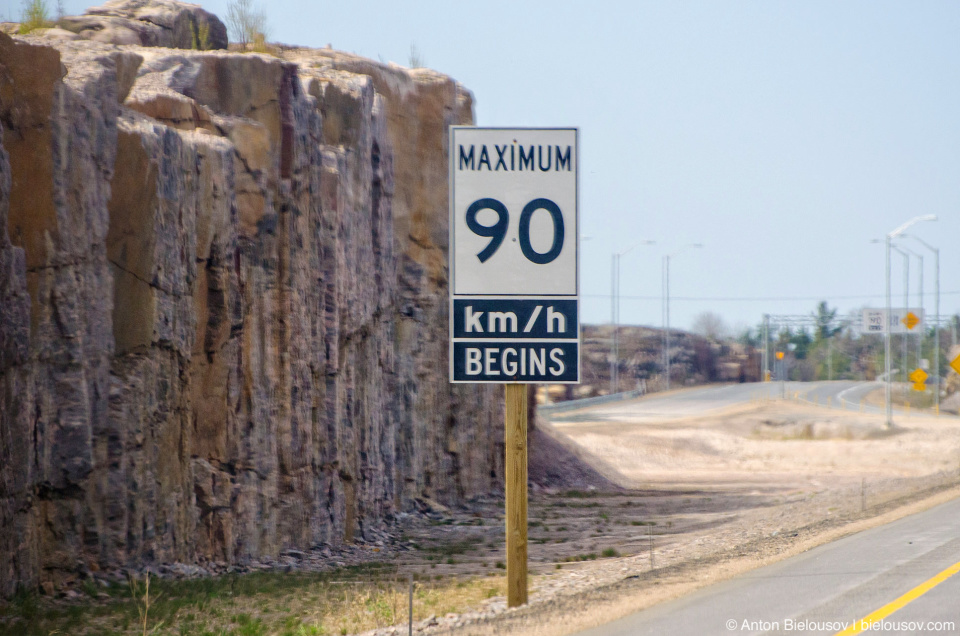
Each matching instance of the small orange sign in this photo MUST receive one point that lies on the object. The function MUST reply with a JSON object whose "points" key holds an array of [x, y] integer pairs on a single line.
{"points": [[919, 386], [955, 364], [910, 320], [780, 356], [919, 376]]}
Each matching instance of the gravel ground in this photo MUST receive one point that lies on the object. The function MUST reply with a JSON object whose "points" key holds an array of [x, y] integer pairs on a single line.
{"points": [[712, 497]]}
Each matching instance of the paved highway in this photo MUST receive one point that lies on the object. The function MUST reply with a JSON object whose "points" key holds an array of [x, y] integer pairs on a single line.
{"points": [[674, 404], [840, 394], [903, 574]]}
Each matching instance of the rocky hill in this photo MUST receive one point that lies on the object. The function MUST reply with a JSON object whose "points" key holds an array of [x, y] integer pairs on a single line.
{"points": [[223, 301], [694, 360]]}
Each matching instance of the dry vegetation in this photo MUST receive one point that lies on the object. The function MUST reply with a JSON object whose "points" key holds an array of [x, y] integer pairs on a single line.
{"points": [[247, 24], [36, 15], [347, 601]]}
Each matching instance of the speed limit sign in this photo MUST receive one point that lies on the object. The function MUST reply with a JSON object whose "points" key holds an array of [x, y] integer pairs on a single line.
{"points": [[514, 307]]}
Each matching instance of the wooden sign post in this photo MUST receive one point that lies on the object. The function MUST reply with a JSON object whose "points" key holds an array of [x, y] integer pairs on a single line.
{"points": [[516, 493], [514, 287]]}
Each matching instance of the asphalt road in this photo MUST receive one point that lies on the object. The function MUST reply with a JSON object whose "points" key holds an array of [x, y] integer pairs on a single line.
{"points": [[830, 589], [847, 395], [839, 394], [702, 400]]}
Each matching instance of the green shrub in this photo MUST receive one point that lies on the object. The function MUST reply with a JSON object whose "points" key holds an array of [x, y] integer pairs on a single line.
{"points": [[35, 16]]}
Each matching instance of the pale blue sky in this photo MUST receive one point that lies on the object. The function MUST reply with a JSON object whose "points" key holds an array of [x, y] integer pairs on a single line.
{"points": [[783, 135]]}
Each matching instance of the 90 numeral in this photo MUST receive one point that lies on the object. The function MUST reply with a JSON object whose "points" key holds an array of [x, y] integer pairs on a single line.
{"points": [[498, 231]]}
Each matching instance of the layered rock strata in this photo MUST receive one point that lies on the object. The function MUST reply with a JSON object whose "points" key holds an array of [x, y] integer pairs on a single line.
{"points": [[164, 23], [222, 306]]}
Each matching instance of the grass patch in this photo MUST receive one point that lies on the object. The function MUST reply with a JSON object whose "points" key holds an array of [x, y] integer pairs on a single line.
{"points": [[350, 600], [36, 15], [581, 494], [451, 549]]}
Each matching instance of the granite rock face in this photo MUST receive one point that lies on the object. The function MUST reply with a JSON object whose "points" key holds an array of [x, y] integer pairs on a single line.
{"points": [[223, 306], [165, 23]]}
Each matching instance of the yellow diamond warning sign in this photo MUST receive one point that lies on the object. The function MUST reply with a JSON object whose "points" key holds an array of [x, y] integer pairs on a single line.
{"points": [[955, 364], [918, 377], [910, 320]]}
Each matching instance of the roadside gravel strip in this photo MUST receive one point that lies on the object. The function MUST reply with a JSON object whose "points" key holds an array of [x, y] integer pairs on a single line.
{"points": [[612, 592], [700, 487], [718, 488]]}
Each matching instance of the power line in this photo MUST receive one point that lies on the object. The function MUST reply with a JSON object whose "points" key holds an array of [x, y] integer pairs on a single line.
{"points": [[760, 298]]}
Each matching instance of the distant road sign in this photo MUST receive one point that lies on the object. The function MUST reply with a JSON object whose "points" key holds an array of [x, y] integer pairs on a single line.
{"points": [[955, 364], [779, 355], [918, 377], [514, 303], [910, 320], [901, 320]]}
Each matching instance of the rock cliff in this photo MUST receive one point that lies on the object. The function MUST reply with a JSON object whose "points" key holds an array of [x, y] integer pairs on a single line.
{"points": [[223, 305]]}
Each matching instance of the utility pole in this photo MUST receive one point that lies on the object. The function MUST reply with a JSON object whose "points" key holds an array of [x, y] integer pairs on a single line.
{"points": [[613, 323], [923, 327], [663, 310], [783, 376], [666, 287], [920, 297], [886, 334], [936, 329], [666, 330], [615, 313], [766, 348], [936, 309], [886, 346], [829, 357], [906, 303]]}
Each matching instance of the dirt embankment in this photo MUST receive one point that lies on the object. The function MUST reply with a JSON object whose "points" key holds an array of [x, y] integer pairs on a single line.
{"points": [[698, 500]]}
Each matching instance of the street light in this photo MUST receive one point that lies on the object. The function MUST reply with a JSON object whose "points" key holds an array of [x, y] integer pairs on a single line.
{"points": [[936, 309], [615, 313], [906, 304], [666, 304], [920, 296], [886, 332]]}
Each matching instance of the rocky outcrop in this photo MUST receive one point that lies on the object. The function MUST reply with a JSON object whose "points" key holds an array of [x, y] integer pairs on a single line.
{"points": [[15, 535], [165, 23], [440, 455], [223, 306]]}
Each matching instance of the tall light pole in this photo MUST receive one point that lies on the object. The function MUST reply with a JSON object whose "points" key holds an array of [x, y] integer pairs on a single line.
{"points": [[920, 297], [886, 333], [766, 347], [666, 304], [906, 304], [936, 310], [615, 313]]}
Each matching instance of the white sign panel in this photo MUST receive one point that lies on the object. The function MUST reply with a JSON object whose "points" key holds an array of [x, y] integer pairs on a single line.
{"points": [[902, 320], [514, 229], [514, 306]]}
